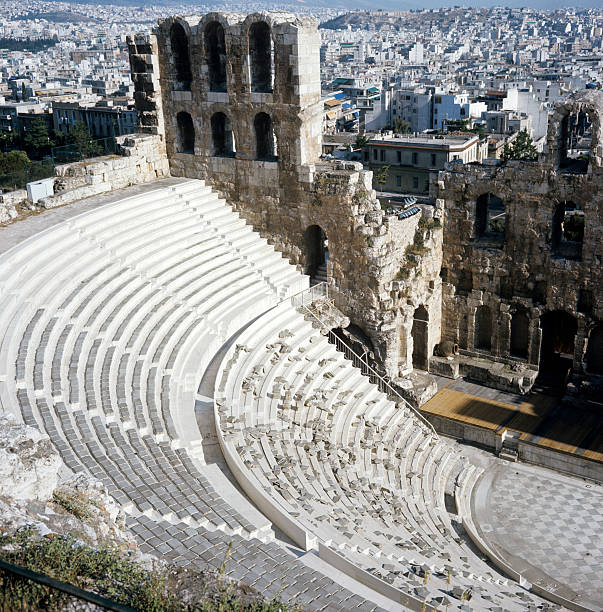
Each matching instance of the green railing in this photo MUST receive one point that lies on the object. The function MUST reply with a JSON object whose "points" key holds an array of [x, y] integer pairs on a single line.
{"points": [[18, 584], [81, 151], [33, 171], [66, 154]]}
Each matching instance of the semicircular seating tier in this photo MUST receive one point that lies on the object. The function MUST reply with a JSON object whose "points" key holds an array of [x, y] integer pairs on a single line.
{"points": [[109, 321]]}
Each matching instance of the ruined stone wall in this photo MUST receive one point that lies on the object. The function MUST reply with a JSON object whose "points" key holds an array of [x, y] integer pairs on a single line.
{"points": [[375, 281], [144, 70], [524, 270], [407, 283], [141, 159]]}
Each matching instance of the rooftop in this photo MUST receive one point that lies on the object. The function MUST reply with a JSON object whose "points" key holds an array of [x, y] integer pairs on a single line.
{"points": [[451, 142]]}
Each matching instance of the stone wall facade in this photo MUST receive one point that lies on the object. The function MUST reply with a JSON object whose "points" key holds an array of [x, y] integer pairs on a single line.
{"points": [[374, 280], [140, 159], [527, 270], [237, 101]]}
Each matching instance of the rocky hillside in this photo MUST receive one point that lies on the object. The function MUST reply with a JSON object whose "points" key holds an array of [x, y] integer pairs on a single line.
{"points": [[67, 526]]}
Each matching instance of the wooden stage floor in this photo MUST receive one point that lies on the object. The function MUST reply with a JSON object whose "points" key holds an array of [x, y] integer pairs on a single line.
{"points": [[537, 418]]}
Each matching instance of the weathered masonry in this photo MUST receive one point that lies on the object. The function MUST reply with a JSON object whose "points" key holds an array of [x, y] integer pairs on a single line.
{"points": [[497, 264], [238, 101], [522, 251]]}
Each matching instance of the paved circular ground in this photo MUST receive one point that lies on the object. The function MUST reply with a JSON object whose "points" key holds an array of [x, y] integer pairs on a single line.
{"points": [[546, 526]]}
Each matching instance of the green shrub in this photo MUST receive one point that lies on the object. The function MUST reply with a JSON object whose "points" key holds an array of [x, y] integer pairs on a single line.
{"points": [[110, 574], [73, 503]]}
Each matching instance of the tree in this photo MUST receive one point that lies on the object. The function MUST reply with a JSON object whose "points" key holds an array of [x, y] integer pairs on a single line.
{"points": [[361, 141], [8, 140], [381, 175], [13, 161], [80, 136], [401, 126], [23, 91], [521, 148], [37, 139]]}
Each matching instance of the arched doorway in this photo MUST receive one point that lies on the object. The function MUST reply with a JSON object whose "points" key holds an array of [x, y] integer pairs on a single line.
{"points": [[186, 133], [221, 133], [420, 349], [520, 324], [265, 146], [316, 246], [594, 351], [557, 347], [483, 328]]}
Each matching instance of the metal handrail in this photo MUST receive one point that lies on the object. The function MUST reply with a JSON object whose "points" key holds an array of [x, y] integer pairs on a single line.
{"points": [[65, 587], [383, 385]]}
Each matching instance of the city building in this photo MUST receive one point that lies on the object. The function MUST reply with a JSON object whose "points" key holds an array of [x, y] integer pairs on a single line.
{"points": [[410, 160]]}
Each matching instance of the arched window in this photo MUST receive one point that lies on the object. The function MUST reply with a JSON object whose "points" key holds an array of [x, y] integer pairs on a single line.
{"points": [[483, 328], [182, 61], [489, 217], [261, 57], [221, 133], [186, 133], [519, 334], [265, 146], [568, 230], [215, 54], [594, 351], [576, 137]]}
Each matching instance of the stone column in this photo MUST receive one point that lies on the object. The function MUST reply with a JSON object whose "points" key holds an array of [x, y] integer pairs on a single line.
{"points": [[580, 345], [535, 338], [503, 332]]}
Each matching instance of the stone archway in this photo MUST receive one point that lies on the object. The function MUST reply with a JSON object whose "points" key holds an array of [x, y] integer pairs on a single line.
{"points": [[420, 338], [215, 53], [261, 57], [483, 328], [557, 347], [520, 334], [180, 53], [316, 252], [186, 133]]}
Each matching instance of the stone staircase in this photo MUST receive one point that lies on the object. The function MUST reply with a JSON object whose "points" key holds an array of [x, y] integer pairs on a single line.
{"points": [[109, 321], [321, 275]]}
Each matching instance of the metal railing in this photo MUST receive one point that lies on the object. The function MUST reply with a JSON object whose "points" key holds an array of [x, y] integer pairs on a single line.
{"points": [[14, 577], [305, 298], [67, 154], [33, 171]]}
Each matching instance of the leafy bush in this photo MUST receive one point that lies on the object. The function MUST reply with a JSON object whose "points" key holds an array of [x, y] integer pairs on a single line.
{"points": [[110, 574]]}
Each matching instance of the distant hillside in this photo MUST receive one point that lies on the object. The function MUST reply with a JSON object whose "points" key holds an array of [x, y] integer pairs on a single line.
{"points": [[57, 17], [407, 12], [357, 5]]}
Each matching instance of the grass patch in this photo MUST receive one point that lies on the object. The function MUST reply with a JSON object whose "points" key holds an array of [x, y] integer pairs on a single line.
{"points": [[429, 224], [417, 246], [113, 575], [75, 504]]}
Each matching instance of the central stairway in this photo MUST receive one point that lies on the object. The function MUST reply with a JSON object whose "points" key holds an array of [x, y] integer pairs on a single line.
{"points": [[109, 322]]}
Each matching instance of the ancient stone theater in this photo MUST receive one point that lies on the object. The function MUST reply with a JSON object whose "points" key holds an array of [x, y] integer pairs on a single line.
{"points": [[253, 355]]}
